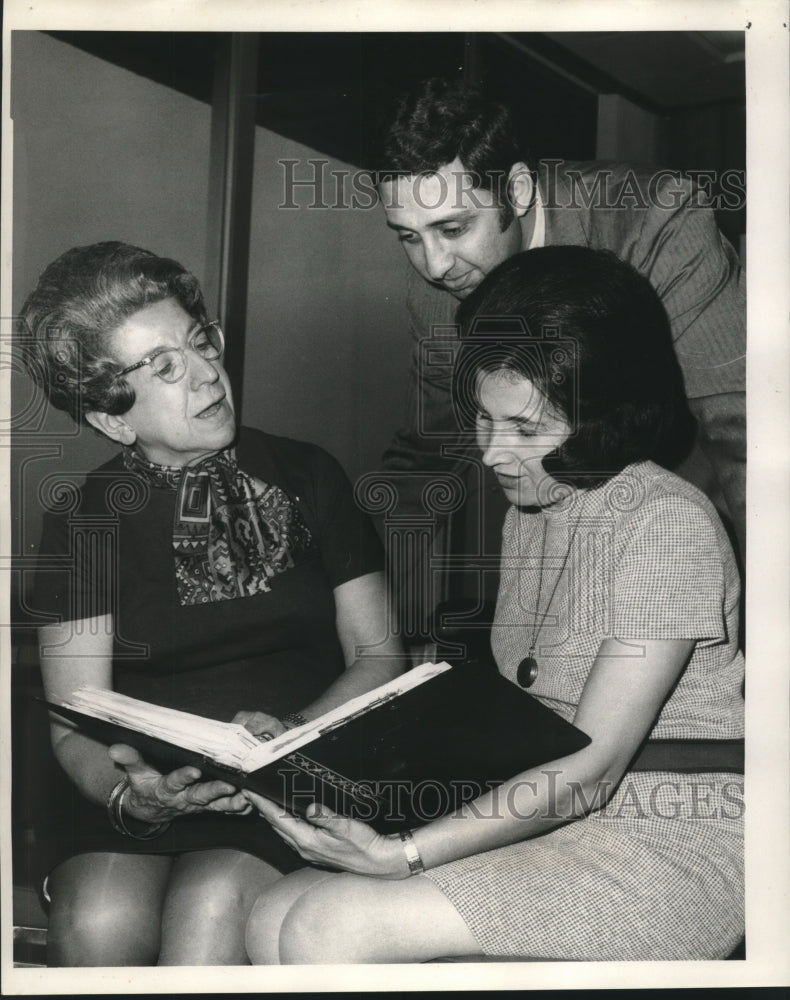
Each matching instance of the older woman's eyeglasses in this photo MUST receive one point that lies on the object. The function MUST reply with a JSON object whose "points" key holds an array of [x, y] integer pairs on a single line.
{"points": [[170, 364]]}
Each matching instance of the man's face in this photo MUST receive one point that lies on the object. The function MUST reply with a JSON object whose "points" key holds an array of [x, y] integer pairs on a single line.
{"points": [[452, 233]]}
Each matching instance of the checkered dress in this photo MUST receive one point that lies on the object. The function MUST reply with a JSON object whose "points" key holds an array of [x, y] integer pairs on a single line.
{"points": [[657, 873]]}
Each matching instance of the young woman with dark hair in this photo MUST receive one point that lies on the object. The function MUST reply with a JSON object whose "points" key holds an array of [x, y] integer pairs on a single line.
{"points": [[566, 319], [617, 608]]}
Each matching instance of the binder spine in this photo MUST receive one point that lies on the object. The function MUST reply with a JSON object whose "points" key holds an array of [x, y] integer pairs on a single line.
{"points": [[346, 787]]}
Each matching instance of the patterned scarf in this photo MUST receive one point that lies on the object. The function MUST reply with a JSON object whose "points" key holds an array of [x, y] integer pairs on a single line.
{"points": [[229, 537]]}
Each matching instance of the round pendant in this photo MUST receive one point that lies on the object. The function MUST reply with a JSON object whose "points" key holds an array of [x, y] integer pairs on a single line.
{"points": [[527, 672]]}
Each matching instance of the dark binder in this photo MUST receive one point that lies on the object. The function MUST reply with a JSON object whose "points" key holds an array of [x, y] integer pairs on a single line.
{"points": [[400, 764]]}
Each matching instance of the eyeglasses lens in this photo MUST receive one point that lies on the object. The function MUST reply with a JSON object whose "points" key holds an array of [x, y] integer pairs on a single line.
{"points": [[169, 365], [207, 342]]}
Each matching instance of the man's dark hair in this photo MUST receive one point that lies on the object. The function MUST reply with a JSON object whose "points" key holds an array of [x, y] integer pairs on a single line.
{"points": [[593, 337], [441, 120], [79, 300]]}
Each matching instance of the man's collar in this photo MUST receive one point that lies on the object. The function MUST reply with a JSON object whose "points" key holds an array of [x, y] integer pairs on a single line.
{"points": [[564, 219], [533, 223], [538, 237]]}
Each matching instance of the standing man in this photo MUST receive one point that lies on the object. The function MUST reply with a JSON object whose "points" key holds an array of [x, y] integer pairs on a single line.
{"points": [[461, 197]]}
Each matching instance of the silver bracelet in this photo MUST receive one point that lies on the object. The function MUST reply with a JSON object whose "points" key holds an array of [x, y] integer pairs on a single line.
{"points": [[112, 804], [416, 867], [118, 821]]}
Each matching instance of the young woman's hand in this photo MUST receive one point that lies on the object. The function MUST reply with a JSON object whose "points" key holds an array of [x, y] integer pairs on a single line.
{"points": [[326, 838], [155, 797]]}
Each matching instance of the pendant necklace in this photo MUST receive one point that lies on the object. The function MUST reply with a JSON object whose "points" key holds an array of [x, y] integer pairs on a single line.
{"points": [[527, 671]]}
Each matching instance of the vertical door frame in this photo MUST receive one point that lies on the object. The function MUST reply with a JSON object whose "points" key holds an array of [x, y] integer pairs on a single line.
{"points": [[231, 164]]}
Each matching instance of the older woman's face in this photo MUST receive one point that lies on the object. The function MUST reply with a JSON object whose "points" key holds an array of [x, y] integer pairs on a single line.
{"points": [[181, 422]]}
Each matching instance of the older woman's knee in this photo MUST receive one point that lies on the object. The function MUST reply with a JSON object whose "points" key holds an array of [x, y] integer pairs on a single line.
{"points": [[204, 924], [208, 902], [106, 910], [213, 896], [90, 929]]}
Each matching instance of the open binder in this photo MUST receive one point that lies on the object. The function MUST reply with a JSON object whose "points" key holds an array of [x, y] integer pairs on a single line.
{"points": [[397, 757]]}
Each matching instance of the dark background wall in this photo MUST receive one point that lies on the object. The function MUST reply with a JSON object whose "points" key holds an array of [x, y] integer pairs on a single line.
{"points": [[112, 135]]}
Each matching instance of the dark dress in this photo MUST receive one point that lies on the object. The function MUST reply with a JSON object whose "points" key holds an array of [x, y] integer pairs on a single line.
{"points": [[273, 652]]}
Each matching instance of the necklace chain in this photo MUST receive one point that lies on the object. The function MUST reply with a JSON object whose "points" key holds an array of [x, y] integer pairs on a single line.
{"points": [[540, 619]]}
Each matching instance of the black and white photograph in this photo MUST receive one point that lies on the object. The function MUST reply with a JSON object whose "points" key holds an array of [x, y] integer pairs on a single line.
{"points": [[394, 519]]}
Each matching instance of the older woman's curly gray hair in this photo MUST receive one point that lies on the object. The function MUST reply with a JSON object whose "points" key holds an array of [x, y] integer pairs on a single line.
{"points": [[80, 299]]}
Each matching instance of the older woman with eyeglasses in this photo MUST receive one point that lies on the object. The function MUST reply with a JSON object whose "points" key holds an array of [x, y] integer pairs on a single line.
{"points": [[220, 571]]}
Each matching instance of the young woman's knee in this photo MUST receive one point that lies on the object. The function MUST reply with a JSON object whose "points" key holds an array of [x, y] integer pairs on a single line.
{"points": [[262, 937], [354, 919], [330, 923], [270, 909]]}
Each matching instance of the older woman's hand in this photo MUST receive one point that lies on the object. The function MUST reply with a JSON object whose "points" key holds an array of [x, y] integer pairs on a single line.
{"points": [[156, 797], [328, 839], [260, 724]]}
